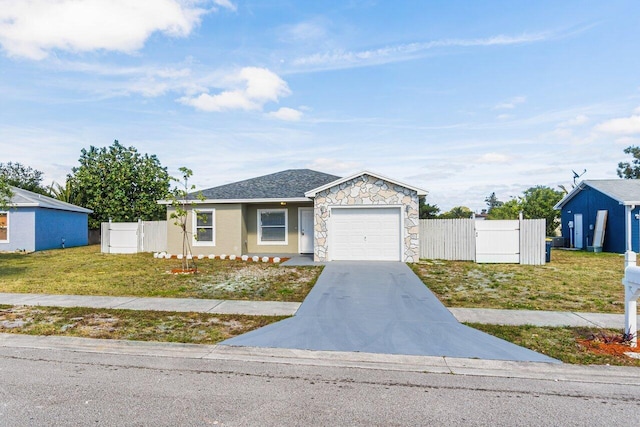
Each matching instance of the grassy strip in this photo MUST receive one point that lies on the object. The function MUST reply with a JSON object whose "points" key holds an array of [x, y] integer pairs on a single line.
{"points": [[196, 328], [86, 271], [559, 343], [573, 281]]}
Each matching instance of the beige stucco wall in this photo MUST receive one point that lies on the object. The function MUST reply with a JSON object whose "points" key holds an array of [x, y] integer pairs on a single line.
{"points": [[292, 229], [236, 230], [228, 231]]}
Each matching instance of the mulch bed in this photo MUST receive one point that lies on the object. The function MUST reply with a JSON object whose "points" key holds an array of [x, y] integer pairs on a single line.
{"points": [[609, 348]]}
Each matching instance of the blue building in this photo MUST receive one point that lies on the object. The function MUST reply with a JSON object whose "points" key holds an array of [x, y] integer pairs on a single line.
{"points": [[580, 207], [34, 222]]}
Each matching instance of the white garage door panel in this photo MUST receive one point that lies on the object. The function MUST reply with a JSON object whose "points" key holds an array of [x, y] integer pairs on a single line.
{"points": [[365, 234]]}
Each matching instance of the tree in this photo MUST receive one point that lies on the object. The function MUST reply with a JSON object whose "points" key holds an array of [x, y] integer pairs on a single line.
{"points": [[539, 202], [508, 210], [65, 194], [21, 176], [630, 170], [119, 183], [457, 212], [179, 200], [5, 194], [427, 211], [492, 202]]}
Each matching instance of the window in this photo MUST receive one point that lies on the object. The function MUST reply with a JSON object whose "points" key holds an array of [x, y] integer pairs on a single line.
{"points": [[204, 228], [272, 227], [4, 227]]}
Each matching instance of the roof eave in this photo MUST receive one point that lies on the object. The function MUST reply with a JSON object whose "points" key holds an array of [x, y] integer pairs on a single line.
{"points": [[312, 193], [236, 201]]}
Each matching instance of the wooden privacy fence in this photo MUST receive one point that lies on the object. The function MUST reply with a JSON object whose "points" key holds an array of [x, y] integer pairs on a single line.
{"points": [[133, 237], [489, 241]]}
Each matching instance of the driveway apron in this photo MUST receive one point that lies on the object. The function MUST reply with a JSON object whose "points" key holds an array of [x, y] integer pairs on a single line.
{"points": [[379, 307]]}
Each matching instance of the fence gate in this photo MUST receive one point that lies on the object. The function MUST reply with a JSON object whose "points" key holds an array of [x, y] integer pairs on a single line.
{"points": [[133, 237], [123, 237], [498, 241]]}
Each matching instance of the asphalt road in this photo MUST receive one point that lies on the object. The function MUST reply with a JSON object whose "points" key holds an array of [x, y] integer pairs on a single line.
{"points": [[56, 387]]}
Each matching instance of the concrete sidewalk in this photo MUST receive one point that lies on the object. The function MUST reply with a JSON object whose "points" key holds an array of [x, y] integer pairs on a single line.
{"points": [[275, 308], [214, 306]]}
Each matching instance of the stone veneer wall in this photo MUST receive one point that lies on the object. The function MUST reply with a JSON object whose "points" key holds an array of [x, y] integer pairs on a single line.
{"points": [[364, 191]]}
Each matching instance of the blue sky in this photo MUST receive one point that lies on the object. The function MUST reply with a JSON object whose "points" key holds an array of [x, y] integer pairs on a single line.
{"points": [[461, 98]]}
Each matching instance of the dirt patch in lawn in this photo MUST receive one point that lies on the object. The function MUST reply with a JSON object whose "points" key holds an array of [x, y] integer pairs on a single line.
{"points": [[255, 281], [573, 281], [197, 328]]}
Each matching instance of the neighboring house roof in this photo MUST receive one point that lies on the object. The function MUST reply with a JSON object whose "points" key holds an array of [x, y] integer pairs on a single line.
{"points": [[624, 191], [24, 198], [287, 185], [314, 191]]}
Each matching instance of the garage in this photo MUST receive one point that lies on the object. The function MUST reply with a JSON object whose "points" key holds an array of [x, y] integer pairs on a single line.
{"points": [[365, 234]]}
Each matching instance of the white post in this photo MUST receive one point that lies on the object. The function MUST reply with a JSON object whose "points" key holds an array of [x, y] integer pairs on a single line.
{"points": [[631, 312]]}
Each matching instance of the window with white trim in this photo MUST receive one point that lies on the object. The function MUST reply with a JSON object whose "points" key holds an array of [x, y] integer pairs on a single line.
{"points": [[203, 224], [272, 227], [4, 226]]}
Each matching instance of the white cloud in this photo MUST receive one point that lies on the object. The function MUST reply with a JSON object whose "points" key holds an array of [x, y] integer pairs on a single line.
{"points": [[33, 28], [287, 114], [576, 121], [627, 141], [503, 116], [249, 89], [621, 126], [226, 4], [510, 104], [345, 59], [304, 32], [336, 166], [493, 158]]}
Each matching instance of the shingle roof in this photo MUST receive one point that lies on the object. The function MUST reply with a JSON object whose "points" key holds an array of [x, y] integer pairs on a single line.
{"points": [[25, 198], [292, 183], [624, 191]]}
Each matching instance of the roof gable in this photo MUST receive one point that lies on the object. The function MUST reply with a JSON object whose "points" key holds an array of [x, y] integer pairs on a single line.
{"points": [[624, 191], [288, 184], [313, 192], [25, 198]]}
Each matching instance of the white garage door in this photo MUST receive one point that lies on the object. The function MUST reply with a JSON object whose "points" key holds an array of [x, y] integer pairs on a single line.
{"points": [[365, 234]]}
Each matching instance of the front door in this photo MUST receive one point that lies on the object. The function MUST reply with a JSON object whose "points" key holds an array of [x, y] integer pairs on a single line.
{"points": [[578, 239], [305, 230]]}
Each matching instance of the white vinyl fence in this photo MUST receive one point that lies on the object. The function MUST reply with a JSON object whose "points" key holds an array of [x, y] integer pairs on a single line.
{"points": [[489, 241], [133, 237]]}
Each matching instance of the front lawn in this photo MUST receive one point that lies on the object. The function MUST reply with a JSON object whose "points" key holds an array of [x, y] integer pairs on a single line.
{"points": [[573, 281], [86, 271], [195, 328], [580, 346]]}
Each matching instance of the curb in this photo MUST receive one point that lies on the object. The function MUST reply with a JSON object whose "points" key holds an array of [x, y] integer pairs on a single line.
{"points": [[420, 364]]}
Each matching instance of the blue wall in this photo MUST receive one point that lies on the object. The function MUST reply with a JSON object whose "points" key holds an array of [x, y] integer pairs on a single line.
{"points": [[588, 202], [21, 230], [52, 226]]}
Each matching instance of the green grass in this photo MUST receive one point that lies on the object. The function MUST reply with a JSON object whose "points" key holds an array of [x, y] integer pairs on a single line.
{"points": [[86, 271], [573, 281], [196, 328], [559, 343]]}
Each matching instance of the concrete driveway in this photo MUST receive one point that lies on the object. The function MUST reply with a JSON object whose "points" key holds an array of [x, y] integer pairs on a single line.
{"points": [[379, 307]]}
